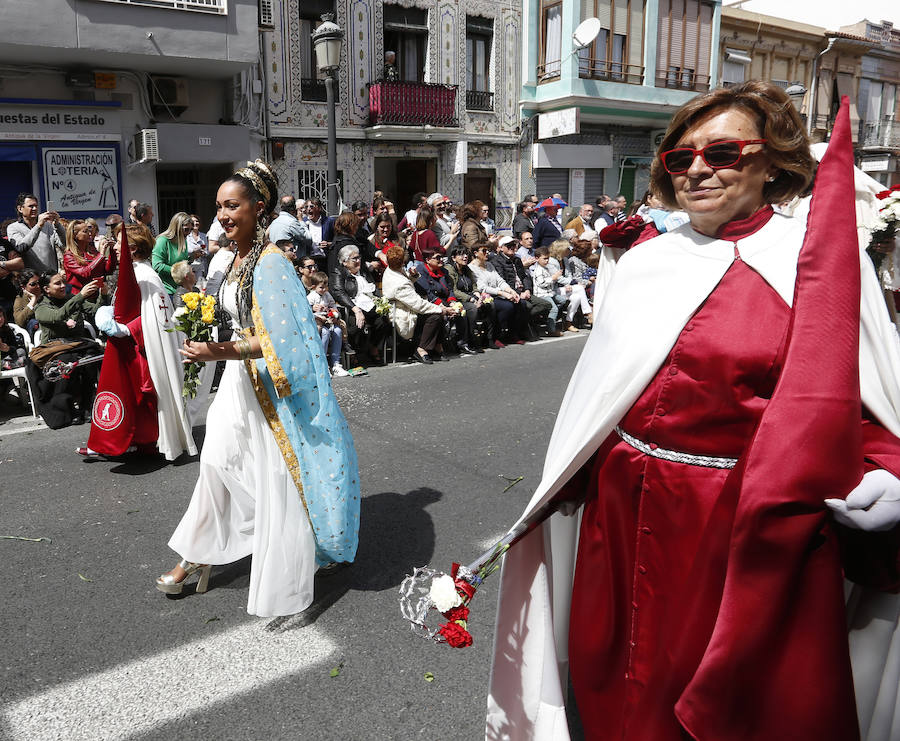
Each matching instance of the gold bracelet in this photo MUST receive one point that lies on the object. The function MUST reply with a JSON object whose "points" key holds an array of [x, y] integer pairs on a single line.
{"points": [[243, 348]]}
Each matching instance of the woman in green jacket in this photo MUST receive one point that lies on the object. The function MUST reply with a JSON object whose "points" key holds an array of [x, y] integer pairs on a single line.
{"points": [[171, 247]]}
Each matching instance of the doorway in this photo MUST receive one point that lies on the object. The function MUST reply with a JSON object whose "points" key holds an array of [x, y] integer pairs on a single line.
{"points": [[401, 178], [188, 188], [478, 185]]}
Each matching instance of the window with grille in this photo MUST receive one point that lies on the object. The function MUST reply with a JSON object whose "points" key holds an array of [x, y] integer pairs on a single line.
{"points": [[684, 44], [551, 40], [618, 51], [219, 7], [734, 67], [313, 183]]}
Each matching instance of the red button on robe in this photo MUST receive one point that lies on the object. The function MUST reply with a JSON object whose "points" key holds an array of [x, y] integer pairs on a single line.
{"points": [[645, 519]]}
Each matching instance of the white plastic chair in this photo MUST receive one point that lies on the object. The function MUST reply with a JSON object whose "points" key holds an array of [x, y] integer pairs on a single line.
{"points": [[18, 374]]}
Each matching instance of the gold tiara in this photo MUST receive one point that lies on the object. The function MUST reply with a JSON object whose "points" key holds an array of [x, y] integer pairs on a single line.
{"points": [[258, 183]]}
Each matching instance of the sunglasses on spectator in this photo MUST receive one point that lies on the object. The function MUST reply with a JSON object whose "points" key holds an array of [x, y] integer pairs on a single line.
{"points": [[717, 155], [308, 266], [354, 258]]}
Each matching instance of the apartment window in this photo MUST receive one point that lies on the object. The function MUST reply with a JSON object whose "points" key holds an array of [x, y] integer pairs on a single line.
{"points": [[734, 67], [617, 52], [479, 39], [683, 46], [406, 34], [312, 82], [219, 7], [551, 40]]}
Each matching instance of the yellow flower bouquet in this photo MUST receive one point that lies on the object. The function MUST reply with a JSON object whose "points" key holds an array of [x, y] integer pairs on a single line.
{"points": [[196, 321]]}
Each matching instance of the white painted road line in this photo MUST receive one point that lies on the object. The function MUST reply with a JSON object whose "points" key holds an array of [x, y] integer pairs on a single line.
{"points": [[146, 693]]}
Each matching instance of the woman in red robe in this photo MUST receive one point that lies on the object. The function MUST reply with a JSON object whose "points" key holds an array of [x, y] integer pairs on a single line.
{"points": [[724, 410]]}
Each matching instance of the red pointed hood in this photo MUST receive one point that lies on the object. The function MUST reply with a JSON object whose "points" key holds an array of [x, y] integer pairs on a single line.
{"points": [[128, 295]]}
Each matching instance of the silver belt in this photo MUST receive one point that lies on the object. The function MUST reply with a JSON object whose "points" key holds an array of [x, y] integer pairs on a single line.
{"points": [[676, 456]]}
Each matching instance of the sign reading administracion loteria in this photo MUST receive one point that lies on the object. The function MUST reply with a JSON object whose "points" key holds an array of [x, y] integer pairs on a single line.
{"points": [[81, 179], [22, 122]]}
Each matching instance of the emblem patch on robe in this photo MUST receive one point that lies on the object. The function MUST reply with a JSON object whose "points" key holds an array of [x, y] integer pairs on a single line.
{"points": [[108, 411]]}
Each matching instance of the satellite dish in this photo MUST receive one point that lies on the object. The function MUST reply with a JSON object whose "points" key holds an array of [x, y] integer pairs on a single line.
{"points": [[587, 31]]}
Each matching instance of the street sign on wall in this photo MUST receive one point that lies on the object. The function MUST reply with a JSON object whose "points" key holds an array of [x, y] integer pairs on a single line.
{"points": [[559, 123]]}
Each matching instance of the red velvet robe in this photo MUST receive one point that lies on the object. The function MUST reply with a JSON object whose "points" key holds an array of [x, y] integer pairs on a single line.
{"points": [[645, 533]]}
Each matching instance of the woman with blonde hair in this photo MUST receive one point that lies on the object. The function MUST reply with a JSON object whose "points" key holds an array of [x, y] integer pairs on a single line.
{"points": [[81, 261], [171, 247]]}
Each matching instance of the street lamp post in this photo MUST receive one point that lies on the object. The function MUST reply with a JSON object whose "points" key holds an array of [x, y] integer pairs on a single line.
{"points": [[327, 43], [796, 93]]}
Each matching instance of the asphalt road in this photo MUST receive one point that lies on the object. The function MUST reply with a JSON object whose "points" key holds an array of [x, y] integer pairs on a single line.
{"points": [[92, 651]]}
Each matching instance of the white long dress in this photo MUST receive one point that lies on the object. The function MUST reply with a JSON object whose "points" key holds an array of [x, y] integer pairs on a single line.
{"points": [[245, 501]]}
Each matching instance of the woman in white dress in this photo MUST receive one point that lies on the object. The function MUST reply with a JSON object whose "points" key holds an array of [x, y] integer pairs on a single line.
{"points": [[278, 471]]}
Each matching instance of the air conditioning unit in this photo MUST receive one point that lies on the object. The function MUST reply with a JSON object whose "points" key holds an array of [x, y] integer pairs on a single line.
{"points": [[146, 146], [169, 94], [267, 14]]}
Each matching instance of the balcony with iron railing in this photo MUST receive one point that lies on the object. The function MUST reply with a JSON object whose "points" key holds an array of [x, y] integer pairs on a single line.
{"points": [[682, 78], [879, 135], [402, 103], [602, 69], [479, 100]]}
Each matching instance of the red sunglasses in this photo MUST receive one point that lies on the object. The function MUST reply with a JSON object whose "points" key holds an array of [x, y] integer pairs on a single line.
{"points": [[717, 155]]}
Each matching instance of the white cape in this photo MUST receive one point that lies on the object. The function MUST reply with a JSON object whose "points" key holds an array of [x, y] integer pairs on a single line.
{"points": [[166, 368], [656, 287]]}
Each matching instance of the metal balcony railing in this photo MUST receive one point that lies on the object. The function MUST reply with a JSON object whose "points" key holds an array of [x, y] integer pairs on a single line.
{"points": [[549, 71], [412, 104], [479, 100], [880, 135], [682, 78], [601, 69], [313, 89]]}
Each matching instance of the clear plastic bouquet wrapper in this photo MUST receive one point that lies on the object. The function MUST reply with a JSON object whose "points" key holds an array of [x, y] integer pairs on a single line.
{"points": [[428, 593]]}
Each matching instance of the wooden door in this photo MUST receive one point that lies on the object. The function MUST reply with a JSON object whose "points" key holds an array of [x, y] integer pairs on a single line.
{"points": [[478, 185], [412, 177]]}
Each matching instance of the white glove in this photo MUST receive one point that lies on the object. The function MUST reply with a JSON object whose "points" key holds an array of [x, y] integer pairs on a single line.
{"points": [[874, 505], [107, 324]]}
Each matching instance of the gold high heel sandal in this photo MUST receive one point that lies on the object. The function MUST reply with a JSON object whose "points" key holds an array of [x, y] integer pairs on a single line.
{"points": [[166, 583]]}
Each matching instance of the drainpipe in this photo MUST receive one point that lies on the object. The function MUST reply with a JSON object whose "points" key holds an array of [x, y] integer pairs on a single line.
{"points": [[810, 118]]}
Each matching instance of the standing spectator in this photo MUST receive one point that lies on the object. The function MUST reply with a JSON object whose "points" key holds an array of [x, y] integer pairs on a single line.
{"points": [[486, 221], [143, 212], [287, 227], [435, 283], [472, 231], [23, 308], [584, 220], [414, 317], [132, 217], [353, 287], [171, 247], [512, 315], [328, 320], [447, 232], [81, 262], [510, 268], [198, 244], [215, 238], [424, 237], [548, 227], [381, 207], [38, 238], [465, 290], [10, 263], [622, 203], [305, 270], [345, 229], [607, 215], [525, 219], [363, 230], [319, 226], [602, 200], [409, 218]]}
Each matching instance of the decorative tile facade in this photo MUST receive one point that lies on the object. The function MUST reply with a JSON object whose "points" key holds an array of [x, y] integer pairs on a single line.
{"points": [[292, 119]]}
